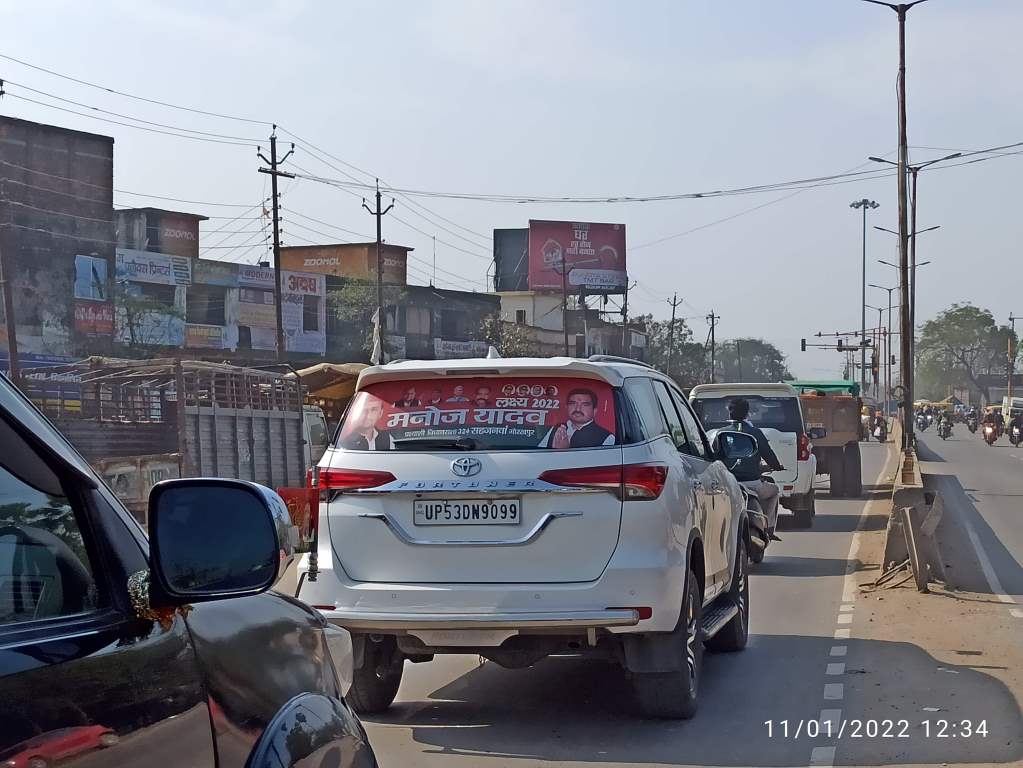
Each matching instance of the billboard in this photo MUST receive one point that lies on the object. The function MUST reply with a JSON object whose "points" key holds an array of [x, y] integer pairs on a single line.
{"points": [[94, 318], [148, 267], [355, 261], [594, 254], [304, 312], [511, 260]]}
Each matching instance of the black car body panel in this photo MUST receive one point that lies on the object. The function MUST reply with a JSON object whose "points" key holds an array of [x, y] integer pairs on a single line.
{"points": [[196, 685]]}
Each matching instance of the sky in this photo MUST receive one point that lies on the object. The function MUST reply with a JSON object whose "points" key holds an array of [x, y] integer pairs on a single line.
{"points": [[573, 98]]}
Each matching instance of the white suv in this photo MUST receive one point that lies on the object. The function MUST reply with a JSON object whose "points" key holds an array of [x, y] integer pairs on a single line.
{"points": [[775, 409], [519, 508]]}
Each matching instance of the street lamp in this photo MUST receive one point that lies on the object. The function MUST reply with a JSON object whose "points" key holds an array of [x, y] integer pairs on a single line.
{"points": [[888, 342], [864, 204]]}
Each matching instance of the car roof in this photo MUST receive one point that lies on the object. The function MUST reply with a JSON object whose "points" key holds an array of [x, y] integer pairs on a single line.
{"points": [[778, 389], [614, 373]]}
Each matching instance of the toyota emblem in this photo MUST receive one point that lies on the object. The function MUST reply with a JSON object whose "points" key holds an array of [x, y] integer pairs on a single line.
{"points": [[466, 466]]}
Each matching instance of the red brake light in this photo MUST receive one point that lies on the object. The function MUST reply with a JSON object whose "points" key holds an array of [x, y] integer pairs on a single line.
{"points": [[633, 482], [804, 448], [644, 481], [352, 479]]}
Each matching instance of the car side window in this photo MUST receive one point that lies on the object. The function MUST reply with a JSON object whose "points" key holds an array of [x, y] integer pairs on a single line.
{"points": [[678, 432], [45, 568], [645, 404], [692, 426]]}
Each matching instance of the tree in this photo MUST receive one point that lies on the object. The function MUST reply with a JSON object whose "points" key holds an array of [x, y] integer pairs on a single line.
{"points": [[353, 305], [510, 339], [752, 360], [687, 359], [960, 348]]}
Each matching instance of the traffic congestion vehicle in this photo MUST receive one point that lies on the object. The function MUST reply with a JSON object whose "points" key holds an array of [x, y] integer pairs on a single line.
{"points": [[775, 409], [536, 507], [172, 647]]}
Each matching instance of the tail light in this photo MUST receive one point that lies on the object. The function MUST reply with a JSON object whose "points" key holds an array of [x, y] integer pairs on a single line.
{"points": [[633, 482], [804, 448], [352, 479]]}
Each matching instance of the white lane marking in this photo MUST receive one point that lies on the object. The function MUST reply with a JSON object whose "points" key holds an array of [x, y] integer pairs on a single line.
{"points": [[1016, 613], [832, 716], [822, 756], [834, 691], [839, 650], [985, 565], [837, 668], [845, 618], [842, 634], [846, 608]]}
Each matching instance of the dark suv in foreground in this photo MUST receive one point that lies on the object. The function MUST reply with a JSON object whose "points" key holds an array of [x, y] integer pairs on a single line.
{"points": [[170, 651]]}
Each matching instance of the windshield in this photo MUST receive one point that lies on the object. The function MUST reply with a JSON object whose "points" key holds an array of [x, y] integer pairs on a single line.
{"points": [[498, 414], [780, 413]]}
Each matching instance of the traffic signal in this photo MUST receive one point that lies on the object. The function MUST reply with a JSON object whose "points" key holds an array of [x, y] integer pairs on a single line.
{"points": [[874, 366], [802, 345], [893, 360], [841, 348]]}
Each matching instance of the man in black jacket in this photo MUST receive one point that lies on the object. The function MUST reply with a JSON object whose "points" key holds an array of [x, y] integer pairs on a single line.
{"points": [[748, 471], [580, 431]]}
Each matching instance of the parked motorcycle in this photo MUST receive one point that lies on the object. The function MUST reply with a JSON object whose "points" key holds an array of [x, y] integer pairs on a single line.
{"points": [[990, 434], [944, 430]]}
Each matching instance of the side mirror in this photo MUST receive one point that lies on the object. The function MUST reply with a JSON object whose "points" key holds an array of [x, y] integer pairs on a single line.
{"points": [[731, 446], [212, 539], [817, 433]]}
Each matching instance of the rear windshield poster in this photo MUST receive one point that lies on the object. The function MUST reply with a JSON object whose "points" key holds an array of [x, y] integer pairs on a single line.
{"points": [[508, 413]]}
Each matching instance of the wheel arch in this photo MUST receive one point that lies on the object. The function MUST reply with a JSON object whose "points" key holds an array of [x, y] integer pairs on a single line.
{"points": [[312, 724]]}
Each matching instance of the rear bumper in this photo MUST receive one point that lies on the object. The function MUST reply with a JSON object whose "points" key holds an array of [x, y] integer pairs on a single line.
{"points": [[368, 621]]}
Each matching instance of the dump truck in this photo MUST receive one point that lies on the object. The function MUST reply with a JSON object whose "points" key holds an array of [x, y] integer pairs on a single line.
{"points": [[142, 421], [835, 407]]}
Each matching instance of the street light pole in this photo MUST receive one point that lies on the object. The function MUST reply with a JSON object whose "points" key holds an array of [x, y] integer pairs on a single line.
{"points": [[888, 343], [864, 204], [1012, 354], [904, 318]]}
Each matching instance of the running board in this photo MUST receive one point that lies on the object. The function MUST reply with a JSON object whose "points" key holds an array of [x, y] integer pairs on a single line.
{"points": [[715, 617]]}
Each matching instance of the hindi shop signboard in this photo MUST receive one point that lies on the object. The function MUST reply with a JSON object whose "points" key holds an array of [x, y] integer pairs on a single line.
{"points": [[147, 267], [593, 253], [506, 413]]}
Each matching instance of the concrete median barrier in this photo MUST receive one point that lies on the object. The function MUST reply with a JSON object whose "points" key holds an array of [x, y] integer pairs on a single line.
{"points": [[914, 519]]}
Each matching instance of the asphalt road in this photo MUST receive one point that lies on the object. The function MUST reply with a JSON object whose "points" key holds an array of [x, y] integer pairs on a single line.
{"points": [[566, 712], [986, 484]]}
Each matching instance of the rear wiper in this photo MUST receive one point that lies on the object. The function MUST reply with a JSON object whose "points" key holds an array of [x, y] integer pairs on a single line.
{"points": [[437, 443]]}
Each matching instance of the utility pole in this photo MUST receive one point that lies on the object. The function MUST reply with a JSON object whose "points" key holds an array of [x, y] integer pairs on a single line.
{"points": [[1012, 353], [864, 204], [273, 172], [626, 347], [905, 321], [379, 213], [563, 269], [738, 356], [6, 275], [675, 301], [712, 319]]}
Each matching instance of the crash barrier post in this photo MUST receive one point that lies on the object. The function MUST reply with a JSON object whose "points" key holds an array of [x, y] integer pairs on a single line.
{"points": [[912, 525]]}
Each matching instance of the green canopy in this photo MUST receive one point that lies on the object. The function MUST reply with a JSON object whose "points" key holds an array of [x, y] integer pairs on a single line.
{"points": [[840, 385]]}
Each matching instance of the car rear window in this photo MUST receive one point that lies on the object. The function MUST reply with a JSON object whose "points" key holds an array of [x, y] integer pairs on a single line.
{"points": [[780, 413], [513, 413]]}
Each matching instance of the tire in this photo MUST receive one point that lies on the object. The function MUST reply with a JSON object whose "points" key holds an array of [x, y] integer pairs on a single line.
{"points": [[813, 503], [837, 466], [756, 555], [853, 471], [375, 683], [735, 634], [673, 695], [803, 518]]}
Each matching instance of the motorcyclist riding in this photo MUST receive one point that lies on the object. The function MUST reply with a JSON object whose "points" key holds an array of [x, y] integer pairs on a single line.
{"points": [[1015, 422], [748, 471]]}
